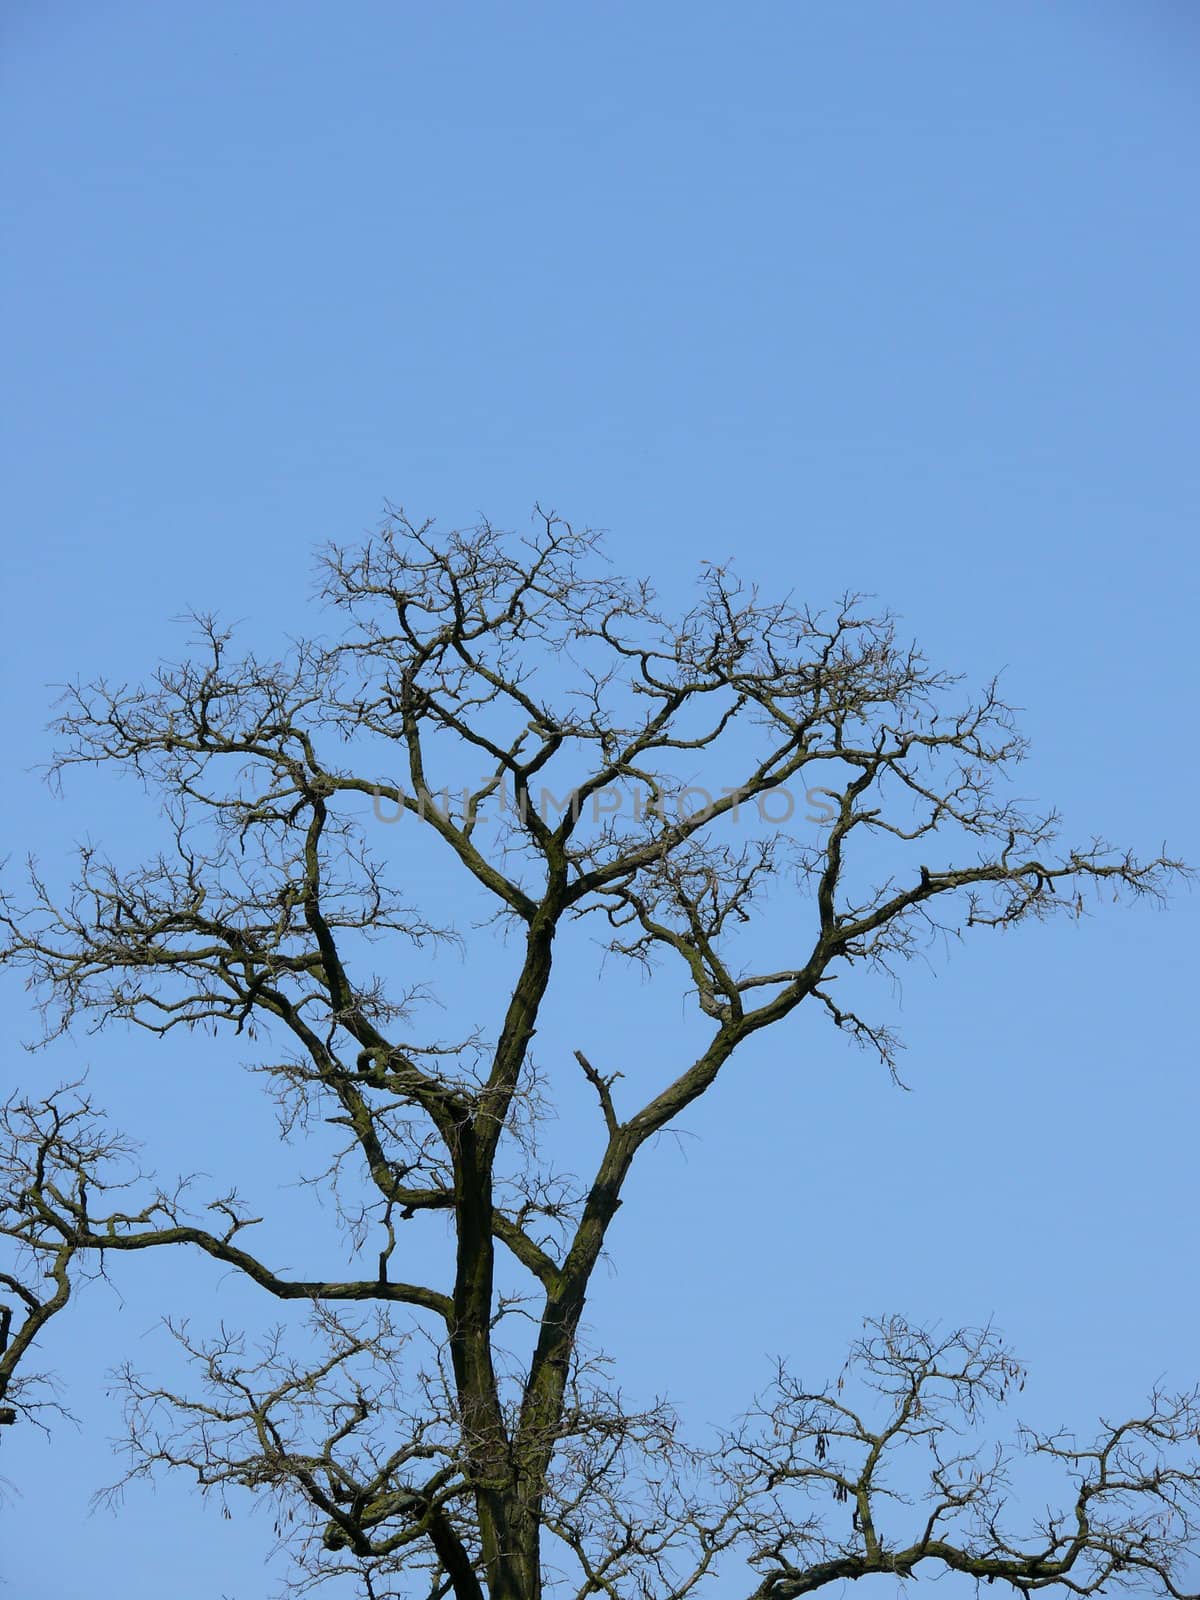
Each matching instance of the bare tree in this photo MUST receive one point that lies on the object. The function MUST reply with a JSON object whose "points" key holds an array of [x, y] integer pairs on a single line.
{"points": [[429, 1456]]}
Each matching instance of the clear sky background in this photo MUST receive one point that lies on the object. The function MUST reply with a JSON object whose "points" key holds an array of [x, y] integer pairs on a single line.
{"points": [[898, 298]]}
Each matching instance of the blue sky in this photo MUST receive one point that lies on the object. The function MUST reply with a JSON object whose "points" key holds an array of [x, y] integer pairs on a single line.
{"points": [[877, 297]]}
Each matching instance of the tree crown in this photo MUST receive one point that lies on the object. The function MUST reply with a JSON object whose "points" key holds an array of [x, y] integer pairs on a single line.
{"points": [[585, 762]]}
